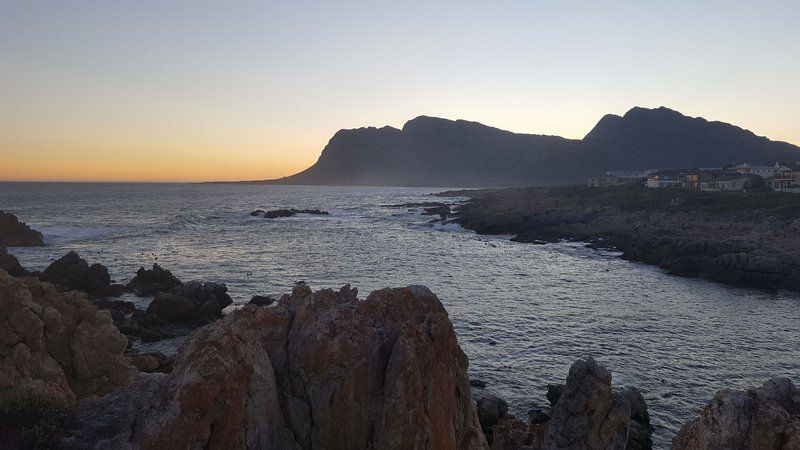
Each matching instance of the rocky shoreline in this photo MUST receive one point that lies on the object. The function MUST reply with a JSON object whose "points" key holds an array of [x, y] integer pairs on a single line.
{"points": [[316, 369], [741, 239]]}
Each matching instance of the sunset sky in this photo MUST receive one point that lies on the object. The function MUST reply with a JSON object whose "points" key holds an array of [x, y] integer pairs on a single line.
{"points": [[201, 90]]}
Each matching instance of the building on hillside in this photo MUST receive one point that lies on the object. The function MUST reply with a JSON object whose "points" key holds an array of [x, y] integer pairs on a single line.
{"points": [[762, 170], [786, 177], [730, 180], [619, 177], [694, 178], [666, 178]]}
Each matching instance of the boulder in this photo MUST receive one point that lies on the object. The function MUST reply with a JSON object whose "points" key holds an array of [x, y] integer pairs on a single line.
{"points": [[491, 411], [57, 343], [764, 418], [9, 263], [319, 370], [193, 303], [150, 282], [261, 300], [14, 233], [71, 272]]}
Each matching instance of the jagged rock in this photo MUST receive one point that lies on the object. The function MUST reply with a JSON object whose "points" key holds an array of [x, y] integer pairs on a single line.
{"points": [[9, 263], [586, 414], [57, 343], [261, 300], [319, 370], [151, 282], [274, 214], [14, 233], [193, 303], [71, 272], [764, 418]]}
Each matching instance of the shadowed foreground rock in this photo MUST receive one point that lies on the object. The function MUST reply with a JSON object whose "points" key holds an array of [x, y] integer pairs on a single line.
{"points": [[764, 418], [57, 343], [14, 233], [586, 414], [10, 264], [319, 370], [71, 272]]}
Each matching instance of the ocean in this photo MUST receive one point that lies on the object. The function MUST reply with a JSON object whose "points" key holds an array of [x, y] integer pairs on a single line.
{"points": [[523, 313]]}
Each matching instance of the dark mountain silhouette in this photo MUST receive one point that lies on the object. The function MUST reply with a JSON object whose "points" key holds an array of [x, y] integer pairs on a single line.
{"points": [[661, 137], [430, 151]]}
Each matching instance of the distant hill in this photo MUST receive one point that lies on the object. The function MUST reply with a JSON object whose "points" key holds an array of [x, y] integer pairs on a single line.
{"points": [[429, 151]]}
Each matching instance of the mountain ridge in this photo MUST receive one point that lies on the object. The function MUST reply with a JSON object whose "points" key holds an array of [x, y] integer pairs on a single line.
{"points": [[436, 152]]}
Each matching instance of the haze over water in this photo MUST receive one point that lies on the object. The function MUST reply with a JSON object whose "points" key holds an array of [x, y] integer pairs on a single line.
{"points": [[523, 313]]}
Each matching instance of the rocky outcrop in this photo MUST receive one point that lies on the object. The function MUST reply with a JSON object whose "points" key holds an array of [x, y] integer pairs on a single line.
{"points": [[150, 282], [764, 418], [276, 213], [57, 343], [14, 233], [9, 263], [585, 414], [193, 303], [743, 239], [71, 272], [319, 370]]}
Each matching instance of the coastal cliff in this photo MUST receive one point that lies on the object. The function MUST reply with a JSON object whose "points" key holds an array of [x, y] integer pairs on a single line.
{"points": [[742, 239]]}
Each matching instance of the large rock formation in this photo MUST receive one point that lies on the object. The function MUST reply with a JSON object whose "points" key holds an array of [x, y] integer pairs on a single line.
{"points": [[57, 343], [151, 282], [586, 414], [14, 233], [430, 151], [745, 239], [72, 272], [319, 370], [764, 418]]}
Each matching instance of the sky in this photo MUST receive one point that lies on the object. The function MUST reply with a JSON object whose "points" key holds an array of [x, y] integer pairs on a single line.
{"points": [[239, 90]]}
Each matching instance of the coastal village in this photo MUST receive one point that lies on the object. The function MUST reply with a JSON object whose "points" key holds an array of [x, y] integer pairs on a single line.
{"points": [[779, 177]]}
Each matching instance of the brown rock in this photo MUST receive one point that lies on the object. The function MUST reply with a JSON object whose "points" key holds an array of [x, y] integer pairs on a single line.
{"points": [[764, 418], [320, 370], [57, 343]]}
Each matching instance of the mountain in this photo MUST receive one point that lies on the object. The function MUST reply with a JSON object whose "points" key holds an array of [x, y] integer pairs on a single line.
{"points": [[661, 137], [430, 151]]}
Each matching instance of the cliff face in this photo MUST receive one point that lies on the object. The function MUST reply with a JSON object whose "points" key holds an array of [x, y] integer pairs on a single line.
{"points": [[430, 151], [320, 370]]}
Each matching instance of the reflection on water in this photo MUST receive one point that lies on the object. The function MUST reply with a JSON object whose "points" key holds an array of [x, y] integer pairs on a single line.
{"points": [[523, 313]]}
